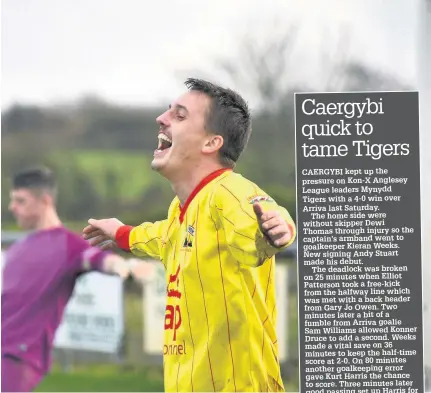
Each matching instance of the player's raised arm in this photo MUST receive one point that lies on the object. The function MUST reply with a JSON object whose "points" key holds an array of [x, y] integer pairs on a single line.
{"points": [[142, 240], [94, 259], [256, 228]]}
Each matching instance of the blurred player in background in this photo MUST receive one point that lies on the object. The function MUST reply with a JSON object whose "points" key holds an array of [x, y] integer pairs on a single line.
{"points": [[217, 244], [38, 279]]}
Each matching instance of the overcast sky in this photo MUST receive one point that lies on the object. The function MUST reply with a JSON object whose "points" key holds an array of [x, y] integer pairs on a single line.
{"points": [[130, 51]]}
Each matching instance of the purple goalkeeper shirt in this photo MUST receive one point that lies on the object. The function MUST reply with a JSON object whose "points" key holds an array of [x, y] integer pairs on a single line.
{"points": [[38, 280]]}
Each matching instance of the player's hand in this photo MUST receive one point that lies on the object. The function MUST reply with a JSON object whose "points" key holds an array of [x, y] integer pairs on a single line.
{"points": [[141, 270], [273, 226], [101, 233], [117, 265], [122, 269]]}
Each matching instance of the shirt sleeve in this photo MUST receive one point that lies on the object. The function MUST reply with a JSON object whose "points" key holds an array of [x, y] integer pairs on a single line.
{"points": [[142, 240], [245, 240], [83, 257]]}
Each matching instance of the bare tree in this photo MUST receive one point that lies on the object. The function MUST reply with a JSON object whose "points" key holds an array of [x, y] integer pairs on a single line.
{"points": [[269, 67]]}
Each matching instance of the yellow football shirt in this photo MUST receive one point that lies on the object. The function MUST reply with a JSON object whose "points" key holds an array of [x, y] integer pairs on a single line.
{"points": [[220, 321]]}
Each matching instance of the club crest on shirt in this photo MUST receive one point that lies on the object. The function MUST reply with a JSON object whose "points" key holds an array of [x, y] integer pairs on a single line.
{"points": [[259, 198], [188, 241]]}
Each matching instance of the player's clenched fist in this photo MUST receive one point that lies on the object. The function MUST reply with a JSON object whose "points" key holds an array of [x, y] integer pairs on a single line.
{"points": [[102, 232], [273, 225]]}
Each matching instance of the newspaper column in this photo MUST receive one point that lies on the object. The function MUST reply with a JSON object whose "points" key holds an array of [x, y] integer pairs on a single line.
{"points": [[425, 143]]}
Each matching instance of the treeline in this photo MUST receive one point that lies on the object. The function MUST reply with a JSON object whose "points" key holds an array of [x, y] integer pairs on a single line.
{"points": [[102, 152]]}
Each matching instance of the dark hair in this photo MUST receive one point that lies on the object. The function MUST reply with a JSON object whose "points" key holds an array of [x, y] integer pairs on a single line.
{"points": [[36, 179], [228, 116]]}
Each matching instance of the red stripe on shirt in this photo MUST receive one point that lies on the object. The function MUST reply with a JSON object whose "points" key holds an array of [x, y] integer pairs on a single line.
{"points": [[269, 280], [167, 232], [178, 373], [227, 315], [254, 290], [203, 295], [190, 327], [188, 315]]}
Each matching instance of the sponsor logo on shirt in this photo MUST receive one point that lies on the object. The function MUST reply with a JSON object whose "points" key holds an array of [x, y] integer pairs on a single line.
{"points": [[259, 198], [173, 319], [174, 283]]}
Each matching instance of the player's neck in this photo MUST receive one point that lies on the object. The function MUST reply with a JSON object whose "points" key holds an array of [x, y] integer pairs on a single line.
{"points": [[183, 187], [48, 221]]}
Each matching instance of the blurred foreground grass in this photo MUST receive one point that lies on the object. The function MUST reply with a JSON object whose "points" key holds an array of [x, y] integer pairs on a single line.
{"points": [[103, 378], [111, 378]]}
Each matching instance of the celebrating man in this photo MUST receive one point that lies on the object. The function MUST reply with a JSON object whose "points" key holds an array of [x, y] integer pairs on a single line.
{"points": [[217, 244]]}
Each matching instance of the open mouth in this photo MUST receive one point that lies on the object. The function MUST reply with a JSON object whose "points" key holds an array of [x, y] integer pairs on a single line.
{"points": [[164, 143]]}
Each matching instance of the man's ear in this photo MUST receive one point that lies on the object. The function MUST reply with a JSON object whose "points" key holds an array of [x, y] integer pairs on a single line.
{"points": [[47, 198], [213, 144]]}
